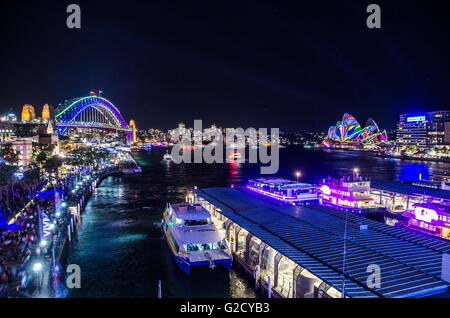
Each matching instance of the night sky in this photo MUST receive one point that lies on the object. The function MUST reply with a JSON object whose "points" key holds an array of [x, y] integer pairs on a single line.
{"points": [[296, 65]]}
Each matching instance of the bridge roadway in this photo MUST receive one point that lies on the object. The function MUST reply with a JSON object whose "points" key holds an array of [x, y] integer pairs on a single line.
{"points": [[313, 237], [91, 125]]}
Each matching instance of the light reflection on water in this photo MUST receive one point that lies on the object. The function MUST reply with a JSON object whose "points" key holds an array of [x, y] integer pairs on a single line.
{"points": [[121, 250]]}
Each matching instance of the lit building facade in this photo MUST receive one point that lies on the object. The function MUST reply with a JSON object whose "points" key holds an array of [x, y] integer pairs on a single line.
{"points": [[48, 113], [28, 113], [6, 131], [133, 127], [10, 117], [24, 149], [424, 129]]}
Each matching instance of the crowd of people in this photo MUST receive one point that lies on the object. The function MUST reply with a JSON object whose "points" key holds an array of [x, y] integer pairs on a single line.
{"points": [[19, 242], [21, 249], [14, 197]]}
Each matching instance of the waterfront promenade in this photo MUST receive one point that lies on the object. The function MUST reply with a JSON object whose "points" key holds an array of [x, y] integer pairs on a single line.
{"points": [[41, 221]]}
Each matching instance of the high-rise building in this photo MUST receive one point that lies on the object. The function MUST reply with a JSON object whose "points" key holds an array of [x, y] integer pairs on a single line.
{"points": [[28, 113], [424, 129]]}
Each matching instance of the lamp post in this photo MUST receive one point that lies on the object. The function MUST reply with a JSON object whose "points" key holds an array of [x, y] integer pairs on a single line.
{"points": [[298, 174], [355, 173]]}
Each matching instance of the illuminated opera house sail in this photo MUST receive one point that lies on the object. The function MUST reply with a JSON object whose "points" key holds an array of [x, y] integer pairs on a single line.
{"points": [[349, 130]]}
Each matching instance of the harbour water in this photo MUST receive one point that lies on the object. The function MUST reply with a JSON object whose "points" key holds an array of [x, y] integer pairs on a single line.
{"points": [[120, 247]]}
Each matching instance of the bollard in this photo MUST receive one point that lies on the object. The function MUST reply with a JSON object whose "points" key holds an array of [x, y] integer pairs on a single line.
{"points": [[159, 289], [269, 286], [257, 277], [68, 232]]}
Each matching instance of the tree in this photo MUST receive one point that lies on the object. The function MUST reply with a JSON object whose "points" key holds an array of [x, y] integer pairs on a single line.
{"points": [[31, 174], [7, 173], [53, 163], [41, 157]]}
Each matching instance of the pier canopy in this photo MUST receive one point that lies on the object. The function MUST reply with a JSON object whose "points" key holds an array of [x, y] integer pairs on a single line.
{"points": [[311, 239], [408, 189]]}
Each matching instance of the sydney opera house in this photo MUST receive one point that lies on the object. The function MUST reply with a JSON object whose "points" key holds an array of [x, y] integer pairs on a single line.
{"points": [[349, 130]]}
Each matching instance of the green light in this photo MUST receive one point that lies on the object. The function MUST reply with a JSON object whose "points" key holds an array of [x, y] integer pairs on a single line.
{"points": [[83, 98]]}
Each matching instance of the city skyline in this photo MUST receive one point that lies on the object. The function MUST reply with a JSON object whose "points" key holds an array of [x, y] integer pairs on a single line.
{"points": [[183, 62]]}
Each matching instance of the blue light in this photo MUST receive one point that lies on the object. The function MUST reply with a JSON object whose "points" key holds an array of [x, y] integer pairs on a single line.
{"points": [[415, 118]]}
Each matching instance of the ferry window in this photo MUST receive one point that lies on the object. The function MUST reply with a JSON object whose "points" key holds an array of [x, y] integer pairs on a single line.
{"points": [[191, 247], [202, 247], [196, 222], [206, 247]]}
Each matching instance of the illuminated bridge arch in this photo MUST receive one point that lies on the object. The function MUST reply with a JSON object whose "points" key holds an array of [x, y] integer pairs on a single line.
{"points": [[90, 112]]}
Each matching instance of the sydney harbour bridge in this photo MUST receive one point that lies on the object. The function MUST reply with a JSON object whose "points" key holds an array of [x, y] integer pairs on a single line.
{"points": [[91, 112]]}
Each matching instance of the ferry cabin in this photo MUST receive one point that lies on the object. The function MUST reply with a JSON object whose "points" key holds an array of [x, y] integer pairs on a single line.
{"points": [[284, 190], [350, 193], [429, 218]]}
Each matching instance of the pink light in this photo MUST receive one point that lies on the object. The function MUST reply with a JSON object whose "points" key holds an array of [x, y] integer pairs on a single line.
{"points": [[325, 189], [339, 201], [270, 194], [424, 214]]}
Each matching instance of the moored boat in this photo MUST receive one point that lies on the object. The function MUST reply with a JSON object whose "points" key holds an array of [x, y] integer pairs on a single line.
{"points": [[193, 238]]}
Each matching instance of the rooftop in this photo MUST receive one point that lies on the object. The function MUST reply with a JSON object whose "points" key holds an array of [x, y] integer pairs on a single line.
{"points": [[283, 183], [313, 238], [404, 188], [186, 211]]}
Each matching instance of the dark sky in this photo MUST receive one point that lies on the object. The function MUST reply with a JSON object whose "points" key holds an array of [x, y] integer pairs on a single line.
{"points": [[296, 65]]}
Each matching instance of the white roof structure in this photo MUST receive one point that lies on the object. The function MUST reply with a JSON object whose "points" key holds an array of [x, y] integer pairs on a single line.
{"points": [[186, 211], [283, 183]]}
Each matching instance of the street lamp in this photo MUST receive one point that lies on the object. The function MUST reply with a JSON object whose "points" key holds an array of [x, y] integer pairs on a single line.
{"points": [[298, 174], [355, 173], [37, 267]]}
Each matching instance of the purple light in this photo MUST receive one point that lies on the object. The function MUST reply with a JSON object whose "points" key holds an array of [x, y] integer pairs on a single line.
{"points": [[339, 201], [270, 194]]}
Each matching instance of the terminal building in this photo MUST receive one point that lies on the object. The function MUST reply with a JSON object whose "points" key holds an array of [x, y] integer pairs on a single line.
{"points": [[425, 129], [298, 251]]}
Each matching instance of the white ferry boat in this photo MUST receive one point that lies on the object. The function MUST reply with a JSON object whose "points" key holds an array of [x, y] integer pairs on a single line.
{"points": [[193, 238], [167, 157]]}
